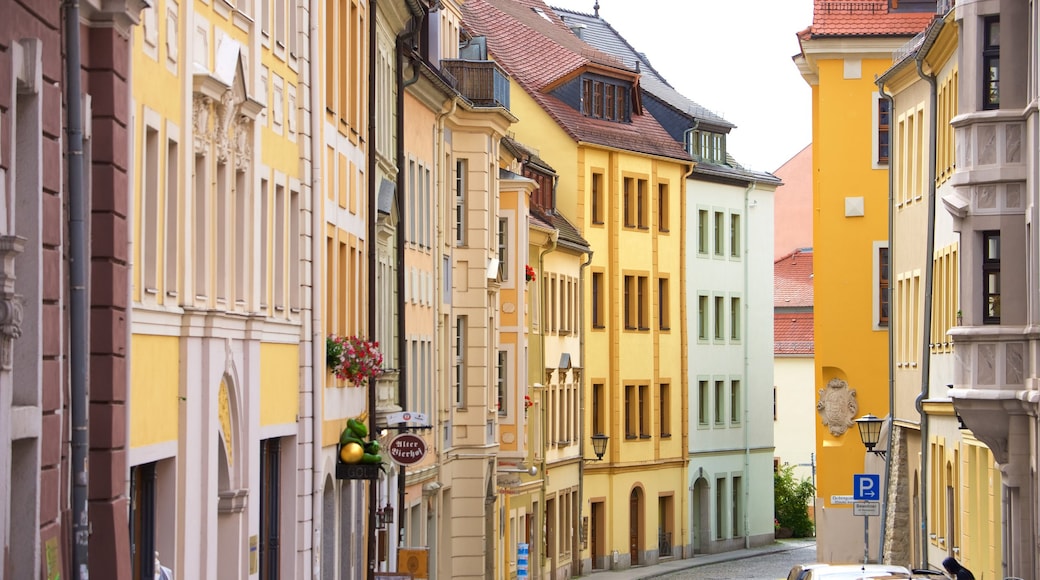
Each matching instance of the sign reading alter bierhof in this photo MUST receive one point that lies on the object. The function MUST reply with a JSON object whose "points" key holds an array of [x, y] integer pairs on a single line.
{"points": [[406, 449]]}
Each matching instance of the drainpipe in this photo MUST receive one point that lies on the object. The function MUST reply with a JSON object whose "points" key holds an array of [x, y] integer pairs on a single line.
{"points": [[79, 313], [891, 340], [747, 369], [317, 275], [581, 396], [402, 344], [370, 243], [927, 323]]}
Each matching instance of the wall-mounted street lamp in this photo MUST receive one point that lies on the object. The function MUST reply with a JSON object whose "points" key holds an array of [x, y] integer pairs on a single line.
{"points": [[384, 516], [870, 432], [599, 445]]}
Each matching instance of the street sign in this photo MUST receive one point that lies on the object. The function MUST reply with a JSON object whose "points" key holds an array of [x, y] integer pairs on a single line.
{"points": [[842, 499], [866, 487], [866, 508], [408, 417]]}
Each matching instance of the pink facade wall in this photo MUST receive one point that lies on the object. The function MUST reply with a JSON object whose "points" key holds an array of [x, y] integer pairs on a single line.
{"points": [[792, 210]]}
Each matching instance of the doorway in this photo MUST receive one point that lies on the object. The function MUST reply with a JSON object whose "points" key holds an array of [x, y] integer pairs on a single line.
{"points": [[635, 525]]}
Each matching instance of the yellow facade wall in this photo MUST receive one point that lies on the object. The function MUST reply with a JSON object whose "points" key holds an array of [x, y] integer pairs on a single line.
{"points": [[279, 383], [848, 344], [154, 389]]}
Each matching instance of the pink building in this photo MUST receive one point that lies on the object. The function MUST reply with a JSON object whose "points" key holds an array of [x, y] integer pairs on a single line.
{"points": [[37, 402], [792, 210]]}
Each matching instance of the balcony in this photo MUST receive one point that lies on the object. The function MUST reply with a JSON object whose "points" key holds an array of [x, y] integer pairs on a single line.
{"points": [[481, 82]]}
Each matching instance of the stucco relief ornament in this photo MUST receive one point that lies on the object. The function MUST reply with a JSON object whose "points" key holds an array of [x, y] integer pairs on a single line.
{"points": [[837, 406], [200, 122]]}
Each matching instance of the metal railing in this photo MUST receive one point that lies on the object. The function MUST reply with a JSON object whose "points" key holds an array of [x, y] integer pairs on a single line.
{"points": [[482, 82]]}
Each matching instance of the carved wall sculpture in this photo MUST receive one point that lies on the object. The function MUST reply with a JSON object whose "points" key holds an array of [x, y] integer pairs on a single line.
{"points": [[837, 406]]}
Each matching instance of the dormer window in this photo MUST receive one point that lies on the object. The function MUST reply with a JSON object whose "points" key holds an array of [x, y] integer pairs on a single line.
{"points": [[603, 99], [707, 146]]}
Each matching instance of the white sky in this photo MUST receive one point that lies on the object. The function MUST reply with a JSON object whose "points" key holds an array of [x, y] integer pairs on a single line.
{"points": [[730, 56]]}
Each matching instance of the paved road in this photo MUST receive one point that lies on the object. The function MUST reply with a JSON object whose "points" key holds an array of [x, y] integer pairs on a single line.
{"points": [[764, 567]]}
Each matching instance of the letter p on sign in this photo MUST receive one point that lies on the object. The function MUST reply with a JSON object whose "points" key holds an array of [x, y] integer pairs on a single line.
{"points": [[866, 487]]}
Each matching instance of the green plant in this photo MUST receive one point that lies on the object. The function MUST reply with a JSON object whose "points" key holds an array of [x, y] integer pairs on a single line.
{"points": [[792, 499], [352, 358]]}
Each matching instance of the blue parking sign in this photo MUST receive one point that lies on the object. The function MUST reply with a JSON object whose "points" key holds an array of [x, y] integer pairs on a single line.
{"points": [[866, 487]]}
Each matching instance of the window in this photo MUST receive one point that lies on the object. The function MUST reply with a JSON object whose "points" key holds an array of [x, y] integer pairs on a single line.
{"points": [[502, 382], [884, 115], [991, 63], [641, 209], [503, 249], [991, 277], [720, 402], [663, 303], [270, 476], [734, 235], [265, 237], [702, 231], [170, 246], [662, 207], [734, 319], [602, 99], [720, 233], [703, 402], [460, 362], [597, 408], [631, 412], [665, 414], [883, 284], [279, 247], [945, 302], [597, 198], [702, 317], [460, 202], [720, 504], [412, 214], [630, 304], [150, 193], [641, 302], [734, 402], [295, 281], [644, 411], [597, 299], [720, 318], [201, 231], [707, 146], [629, 202], [586, 97], [622, 103]]}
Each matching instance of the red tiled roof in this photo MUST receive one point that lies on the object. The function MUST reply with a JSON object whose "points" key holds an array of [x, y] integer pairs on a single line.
{"points": [[792, 280], [537, 50], [863, 18], [793, 333]]}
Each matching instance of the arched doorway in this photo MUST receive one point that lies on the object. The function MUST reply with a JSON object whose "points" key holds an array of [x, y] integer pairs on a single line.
{"points": [[635, 526]]}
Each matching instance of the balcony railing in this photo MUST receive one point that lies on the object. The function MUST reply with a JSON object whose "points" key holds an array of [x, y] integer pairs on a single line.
{"points": [[482, 82]]}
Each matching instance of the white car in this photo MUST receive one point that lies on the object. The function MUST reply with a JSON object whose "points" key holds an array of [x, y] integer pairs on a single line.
{"points": [[847, 572]]}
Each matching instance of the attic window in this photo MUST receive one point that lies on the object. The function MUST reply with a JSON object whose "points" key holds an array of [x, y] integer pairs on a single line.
{"points": [[601, 99], [707, 146], [542, 14]]}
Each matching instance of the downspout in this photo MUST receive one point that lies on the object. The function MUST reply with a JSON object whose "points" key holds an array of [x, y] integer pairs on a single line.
{"points": [[581, 396], [927, 323], [79, 313], [891, 338], [370, 242], [399, 273], [747, 369], [317, 275]]}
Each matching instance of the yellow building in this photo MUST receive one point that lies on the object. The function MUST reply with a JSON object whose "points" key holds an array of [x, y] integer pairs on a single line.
{"points": [[217, 293], [621, 181], [842, 53]]}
